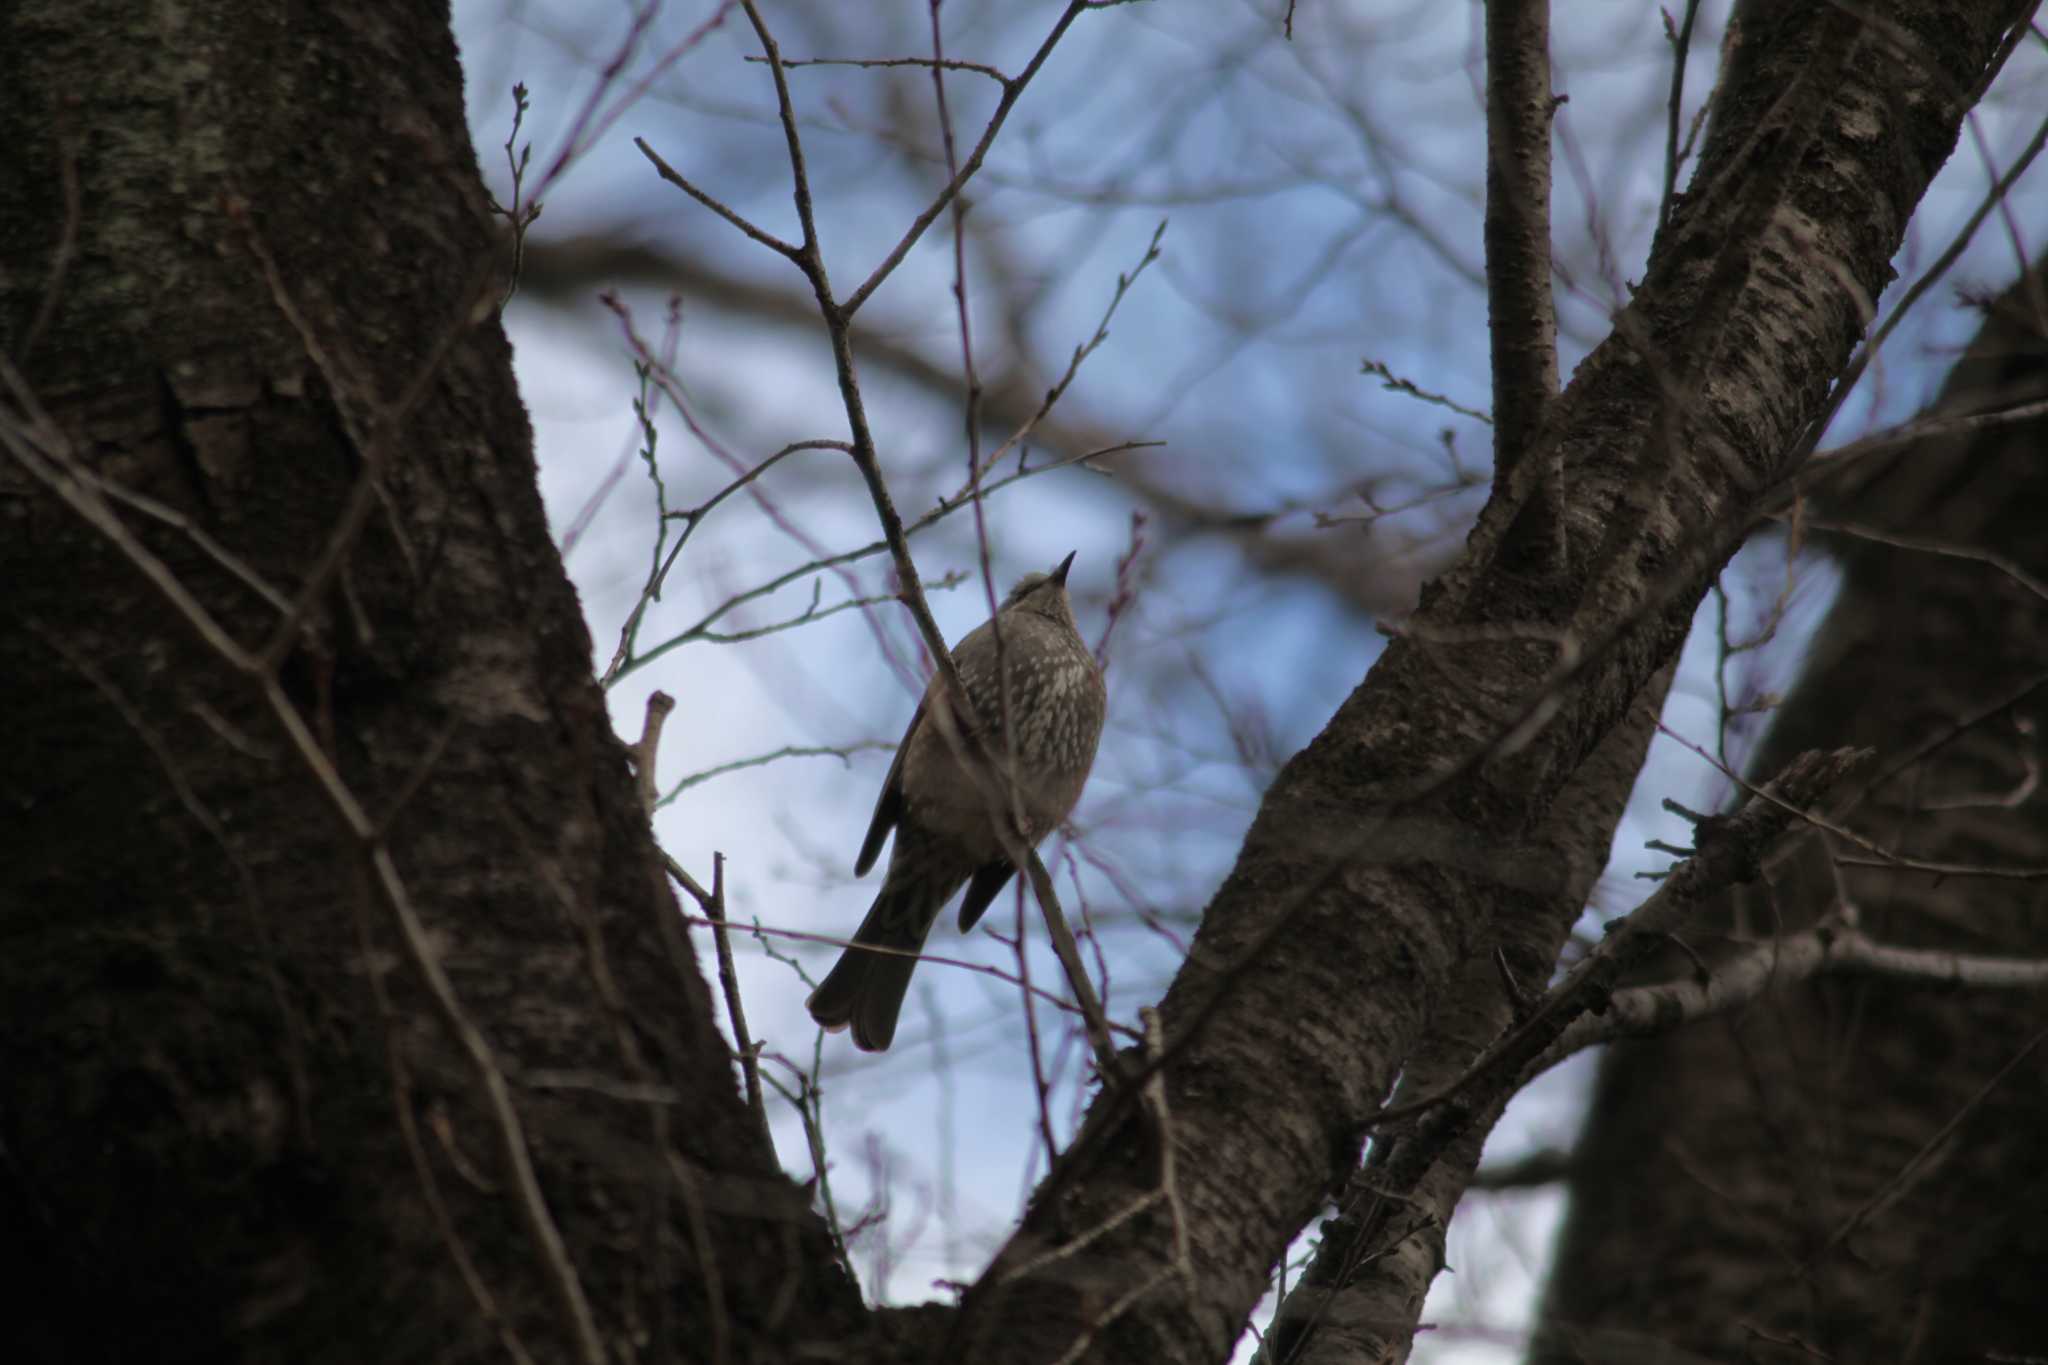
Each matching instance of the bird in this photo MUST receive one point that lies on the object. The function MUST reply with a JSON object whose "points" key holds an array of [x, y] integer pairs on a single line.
{"points": [[943, 817]]}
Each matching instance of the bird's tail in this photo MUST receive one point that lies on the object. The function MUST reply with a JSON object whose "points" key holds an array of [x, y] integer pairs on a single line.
{"points": [[866, 989]]}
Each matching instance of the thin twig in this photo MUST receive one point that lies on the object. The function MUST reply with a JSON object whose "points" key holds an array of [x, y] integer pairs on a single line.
{"points": [[1124, 281], [1012, 90], [843, 752], [1034, 1047], [592, 122], [716, 205], [408, 1127], [729, 982], [983, 968], [1934, 1144], [1681, 49], [1880, 855], [1399, 384], [935, 63], [2005, 564], [944, 509]]}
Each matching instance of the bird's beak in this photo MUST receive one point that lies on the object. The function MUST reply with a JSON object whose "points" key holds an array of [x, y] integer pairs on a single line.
{"points": [[1059, 575]]}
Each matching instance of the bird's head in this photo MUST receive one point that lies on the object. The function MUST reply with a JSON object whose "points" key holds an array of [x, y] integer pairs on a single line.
{"points": [[1044, 593]]}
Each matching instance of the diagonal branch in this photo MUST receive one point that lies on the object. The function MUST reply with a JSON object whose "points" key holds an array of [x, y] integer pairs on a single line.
{"points": [[1381, 849]]}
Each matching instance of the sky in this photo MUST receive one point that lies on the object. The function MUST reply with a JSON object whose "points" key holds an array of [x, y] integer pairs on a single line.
{"points": [[1322, 202]]}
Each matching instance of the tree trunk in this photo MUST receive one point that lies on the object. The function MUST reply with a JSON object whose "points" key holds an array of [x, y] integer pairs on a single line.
{"points": [[1846, 1171], [238, 1121]]}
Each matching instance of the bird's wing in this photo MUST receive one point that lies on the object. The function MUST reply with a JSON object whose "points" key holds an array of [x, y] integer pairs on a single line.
{"points": [[889, 805]]}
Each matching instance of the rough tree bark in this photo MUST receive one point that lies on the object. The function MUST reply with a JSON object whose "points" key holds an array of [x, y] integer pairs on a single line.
{"points": [[275, 1068], [1381, 849], [1755, 1187], [1362, 1293], [234, 1121]]}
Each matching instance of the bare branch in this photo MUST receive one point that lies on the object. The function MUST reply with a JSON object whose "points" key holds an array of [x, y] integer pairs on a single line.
{"points": [[1730, 850], [843, 752], [716, 205], [1012, 91], [875, 63], [1674, 157], [1520, 311], [1834, 949]]}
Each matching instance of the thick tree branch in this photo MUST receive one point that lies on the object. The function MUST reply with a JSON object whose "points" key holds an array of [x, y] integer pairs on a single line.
{"points": [[1361, 1295], [1364, 877], [1731, 851]]}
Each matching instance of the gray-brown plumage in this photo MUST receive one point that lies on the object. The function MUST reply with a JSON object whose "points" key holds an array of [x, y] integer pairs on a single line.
{"points": [[945, 830]]}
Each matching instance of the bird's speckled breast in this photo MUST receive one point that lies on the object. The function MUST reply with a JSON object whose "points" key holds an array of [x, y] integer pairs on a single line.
{"points": [[1056, 708]]}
